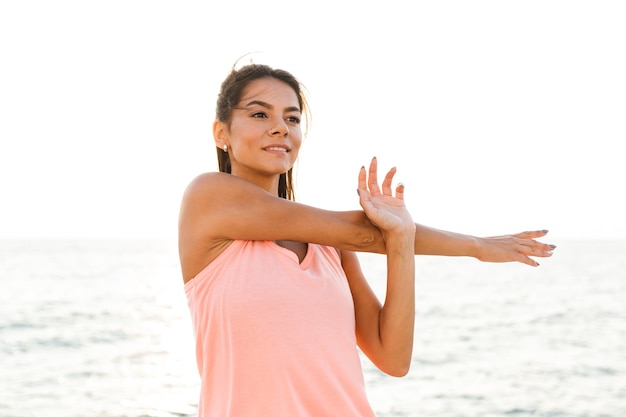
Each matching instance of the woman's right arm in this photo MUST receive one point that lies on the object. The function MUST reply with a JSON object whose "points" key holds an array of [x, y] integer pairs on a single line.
{"points": [[217, 208]]}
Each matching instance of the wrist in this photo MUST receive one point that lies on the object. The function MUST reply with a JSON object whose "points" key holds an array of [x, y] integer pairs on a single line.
{"points": [[400, 240], [475, 247]]}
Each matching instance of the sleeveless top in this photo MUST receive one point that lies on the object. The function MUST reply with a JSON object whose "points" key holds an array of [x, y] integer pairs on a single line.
{"points": [[275, 337]]}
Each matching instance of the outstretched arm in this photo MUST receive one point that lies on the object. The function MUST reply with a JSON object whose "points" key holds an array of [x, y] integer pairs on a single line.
{"points": [[218, 208], [506, 248]]}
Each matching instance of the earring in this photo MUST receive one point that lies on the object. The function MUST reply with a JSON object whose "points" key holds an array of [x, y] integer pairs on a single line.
{"points": [[226, 148]]}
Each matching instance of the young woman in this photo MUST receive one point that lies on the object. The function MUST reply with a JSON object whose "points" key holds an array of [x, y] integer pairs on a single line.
{"points": [[278, 300]]}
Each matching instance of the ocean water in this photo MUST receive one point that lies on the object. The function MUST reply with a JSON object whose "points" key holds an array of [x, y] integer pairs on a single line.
{"points": [[101, 328]]}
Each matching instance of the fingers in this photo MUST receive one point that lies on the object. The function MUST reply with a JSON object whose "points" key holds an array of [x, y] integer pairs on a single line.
{"points": [[532, 248], [529, 247], [371, 179], [400, 191], [372, 182], [531, 234], [388, 180], [526, 260], [362, 179]]}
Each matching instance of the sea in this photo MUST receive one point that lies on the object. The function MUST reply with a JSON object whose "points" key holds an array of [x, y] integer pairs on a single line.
{"points": [[100, 328]]}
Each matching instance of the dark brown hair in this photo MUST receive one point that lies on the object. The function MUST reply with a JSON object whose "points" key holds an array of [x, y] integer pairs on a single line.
{"points": [[230, 95]]}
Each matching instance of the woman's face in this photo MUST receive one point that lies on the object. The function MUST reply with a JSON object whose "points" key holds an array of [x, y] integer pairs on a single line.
{"points": [[264, 134]]}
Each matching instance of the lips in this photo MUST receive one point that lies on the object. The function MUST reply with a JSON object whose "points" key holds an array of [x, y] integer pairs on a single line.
{"points": [[276, 148]]}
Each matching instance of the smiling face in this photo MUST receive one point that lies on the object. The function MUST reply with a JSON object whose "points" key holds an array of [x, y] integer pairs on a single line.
{"points": [[263, 135]]}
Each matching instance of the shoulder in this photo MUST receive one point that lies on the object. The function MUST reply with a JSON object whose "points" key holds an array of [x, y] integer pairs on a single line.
{"points": [[201, 233], [218, 206], [195, 196], [217, 189], [206, 182]]}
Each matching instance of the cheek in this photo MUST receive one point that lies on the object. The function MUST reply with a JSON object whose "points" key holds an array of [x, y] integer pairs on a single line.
{"points": [[241, 126], [296, 143]]}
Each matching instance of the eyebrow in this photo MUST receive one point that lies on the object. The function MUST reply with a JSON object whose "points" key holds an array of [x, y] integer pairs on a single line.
{"points": [[267, 106]]}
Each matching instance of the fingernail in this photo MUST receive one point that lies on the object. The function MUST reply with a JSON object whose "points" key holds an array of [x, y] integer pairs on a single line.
{"points": [[358, 192], [544, 231], [553, 246]]}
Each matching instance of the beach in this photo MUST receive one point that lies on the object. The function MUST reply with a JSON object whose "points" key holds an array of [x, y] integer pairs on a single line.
{"points": [[101, 328]]}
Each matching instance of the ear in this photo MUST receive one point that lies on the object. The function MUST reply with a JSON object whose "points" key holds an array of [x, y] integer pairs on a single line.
{"points": [[220, 134]]}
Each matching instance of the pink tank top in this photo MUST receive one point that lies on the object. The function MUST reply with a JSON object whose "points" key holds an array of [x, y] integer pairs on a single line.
{"points": [[275, 337]]}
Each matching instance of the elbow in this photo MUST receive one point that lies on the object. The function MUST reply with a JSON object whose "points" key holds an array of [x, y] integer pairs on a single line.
{"points": [[396, 363], [397, 369], [399, 372]]}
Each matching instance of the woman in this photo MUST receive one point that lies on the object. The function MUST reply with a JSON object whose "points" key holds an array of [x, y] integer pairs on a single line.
{"points": [[278, 300]]}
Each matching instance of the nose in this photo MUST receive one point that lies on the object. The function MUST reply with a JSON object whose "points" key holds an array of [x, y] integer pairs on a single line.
{"points": [[279, 128]]}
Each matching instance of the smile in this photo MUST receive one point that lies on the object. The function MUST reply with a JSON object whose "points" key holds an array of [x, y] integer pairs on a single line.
{"points": [[277, 149]]}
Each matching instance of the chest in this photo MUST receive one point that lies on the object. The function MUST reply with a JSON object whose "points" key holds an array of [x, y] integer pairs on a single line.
{"points": [[263, 282], [299, 248]]}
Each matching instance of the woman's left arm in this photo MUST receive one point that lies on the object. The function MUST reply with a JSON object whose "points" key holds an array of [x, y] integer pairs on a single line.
{"points": [[385, 332]]}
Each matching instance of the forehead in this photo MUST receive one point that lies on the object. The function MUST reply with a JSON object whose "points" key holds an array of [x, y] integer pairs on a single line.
{"points": [[272, 91]]}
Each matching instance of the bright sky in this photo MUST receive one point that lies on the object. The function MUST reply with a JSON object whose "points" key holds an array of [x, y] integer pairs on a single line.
{"points": [[500, 116]]}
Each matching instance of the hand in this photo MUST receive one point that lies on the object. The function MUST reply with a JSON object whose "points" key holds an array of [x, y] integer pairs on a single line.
{"points": [[518, 247], [385, 211]]}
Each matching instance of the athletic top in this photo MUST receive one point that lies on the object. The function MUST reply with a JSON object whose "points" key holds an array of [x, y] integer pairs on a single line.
{"points": [[275, 337]]}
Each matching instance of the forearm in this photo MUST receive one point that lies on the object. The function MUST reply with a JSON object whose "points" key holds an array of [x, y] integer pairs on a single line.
{"points": [[519, 247], [397, 316], [365, 237], [431, 241]]}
